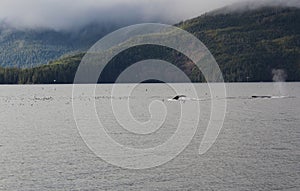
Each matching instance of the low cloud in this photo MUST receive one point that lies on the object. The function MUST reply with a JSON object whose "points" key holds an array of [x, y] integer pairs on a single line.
{"points": [[70, 14], [67, 14], [255, 4]]}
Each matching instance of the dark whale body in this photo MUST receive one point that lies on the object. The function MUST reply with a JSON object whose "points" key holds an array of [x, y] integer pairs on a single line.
{"points": [[255, 97], [178, 97]]}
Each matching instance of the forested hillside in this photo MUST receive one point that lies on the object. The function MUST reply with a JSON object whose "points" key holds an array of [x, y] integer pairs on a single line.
{"points": [[60, 71], [247, 45], [25, 48], [251, 43]]}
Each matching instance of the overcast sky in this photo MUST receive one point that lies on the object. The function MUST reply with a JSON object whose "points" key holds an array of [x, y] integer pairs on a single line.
{"points": [[64, 14]]}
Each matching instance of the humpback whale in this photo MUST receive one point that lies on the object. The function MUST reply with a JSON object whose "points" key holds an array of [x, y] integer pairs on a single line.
{"points": [[255, 97], [178, 97]]}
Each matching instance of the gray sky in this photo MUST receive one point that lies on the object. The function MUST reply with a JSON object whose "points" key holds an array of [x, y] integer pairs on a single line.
{"points": [[65, 14]]}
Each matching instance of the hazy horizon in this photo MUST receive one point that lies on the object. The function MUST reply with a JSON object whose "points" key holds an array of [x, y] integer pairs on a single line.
{"points": [[70, 14]]}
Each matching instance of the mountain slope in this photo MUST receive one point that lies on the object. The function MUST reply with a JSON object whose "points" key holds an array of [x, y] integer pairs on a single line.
{"points": [[250, 44], [33, 47], [247, 45]]}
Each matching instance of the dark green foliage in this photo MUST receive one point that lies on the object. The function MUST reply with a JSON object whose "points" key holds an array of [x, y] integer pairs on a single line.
{"points": [[30, 48], [139, 53], [246, 45], [61, 71], [252, 43]]}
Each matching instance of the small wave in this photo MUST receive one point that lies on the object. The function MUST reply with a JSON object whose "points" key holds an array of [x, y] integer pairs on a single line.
{"points": [[270, 97], [234, 98], [280, 148], [259, 97], [184, 99], [43, 98]]}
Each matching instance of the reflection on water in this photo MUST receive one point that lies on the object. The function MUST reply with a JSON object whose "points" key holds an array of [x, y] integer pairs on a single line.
{"points": [[257, 149]]}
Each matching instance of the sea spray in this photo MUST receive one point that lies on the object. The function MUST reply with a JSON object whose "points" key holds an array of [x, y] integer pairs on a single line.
{"points": [[279, 77]]}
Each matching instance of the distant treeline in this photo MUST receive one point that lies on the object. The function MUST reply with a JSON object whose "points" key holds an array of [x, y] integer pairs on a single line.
{"points": [[61, 71], [247, 46]]}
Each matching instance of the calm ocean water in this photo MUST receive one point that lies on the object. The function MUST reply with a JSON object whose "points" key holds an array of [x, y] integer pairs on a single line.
{"points": [[258, 147]]}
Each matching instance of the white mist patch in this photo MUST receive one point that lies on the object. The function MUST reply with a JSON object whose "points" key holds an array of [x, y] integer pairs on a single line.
{"points": [[279, 77], [74, 14], [248, 5]]}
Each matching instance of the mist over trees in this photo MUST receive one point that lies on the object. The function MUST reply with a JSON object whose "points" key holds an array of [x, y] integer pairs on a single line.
{"points": [[247, 45]]}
